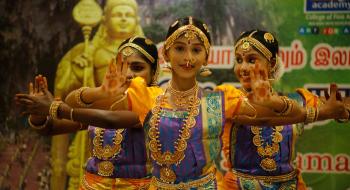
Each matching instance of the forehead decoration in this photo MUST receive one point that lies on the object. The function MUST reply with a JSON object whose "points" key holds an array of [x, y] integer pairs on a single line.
{"points": [[130, 47], [249, 41], [190, 32], [127, 51]]}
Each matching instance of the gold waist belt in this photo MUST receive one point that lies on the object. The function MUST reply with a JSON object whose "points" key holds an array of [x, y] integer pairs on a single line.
{"points": [[187, 185], [276, 178]]}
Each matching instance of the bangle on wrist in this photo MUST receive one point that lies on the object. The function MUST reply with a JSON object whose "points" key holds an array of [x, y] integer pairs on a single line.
{"points": [[53, 112], [288, 106], [78, 97], [37, 127], [71, 114], [311, 114]]}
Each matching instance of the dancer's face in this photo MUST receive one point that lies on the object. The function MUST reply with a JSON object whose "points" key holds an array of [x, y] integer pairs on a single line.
{"points": [[186, 56], [139, 67], [245, 62]]}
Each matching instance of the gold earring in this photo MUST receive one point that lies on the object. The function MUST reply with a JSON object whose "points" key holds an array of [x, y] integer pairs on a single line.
{"points": [[167, 68], [204, 72]]}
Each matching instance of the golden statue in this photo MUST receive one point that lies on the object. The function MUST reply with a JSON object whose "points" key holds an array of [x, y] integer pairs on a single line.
{"points": [[85, 65]]}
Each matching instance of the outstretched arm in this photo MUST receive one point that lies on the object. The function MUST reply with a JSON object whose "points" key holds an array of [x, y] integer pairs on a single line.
{"points": [[264, 107], [51, 116], [331, 108]]}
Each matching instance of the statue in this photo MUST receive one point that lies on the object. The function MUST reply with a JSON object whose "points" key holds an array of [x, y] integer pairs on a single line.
{"points": [[85, 65]]}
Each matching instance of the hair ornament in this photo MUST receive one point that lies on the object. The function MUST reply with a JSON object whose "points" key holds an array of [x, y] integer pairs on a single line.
{"points": [[269, 37]]}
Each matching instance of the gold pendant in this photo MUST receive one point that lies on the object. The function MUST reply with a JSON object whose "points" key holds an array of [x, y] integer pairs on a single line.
{"points": [[153, 133], [105, 168], [118, 138], [277, 138], [153, 145], [255, 130], [96, 142], [181, 145], [268, 164], [257, 140], [195, 111], [107, 151], [268, 150], [260, 150], [186, 133], [167, 175], [191, 122], [180, 101]]}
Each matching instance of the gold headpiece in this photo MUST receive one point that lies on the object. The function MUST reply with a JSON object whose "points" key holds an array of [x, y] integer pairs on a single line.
{"points": [[248, 41], [127, 50], [190, 31]]}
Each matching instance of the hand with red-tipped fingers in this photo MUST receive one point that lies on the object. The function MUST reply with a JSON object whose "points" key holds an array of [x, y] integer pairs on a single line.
{"points": [[261, 92], [115, 81]]}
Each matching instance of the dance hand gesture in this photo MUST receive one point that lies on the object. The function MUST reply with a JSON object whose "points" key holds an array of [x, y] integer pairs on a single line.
{"points": [[115, 81], [39, 99], [261, 88], [334, 107]]}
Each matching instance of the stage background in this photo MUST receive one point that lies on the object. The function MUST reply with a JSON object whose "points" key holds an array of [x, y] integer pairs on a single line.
{"points": [[315, 47]]}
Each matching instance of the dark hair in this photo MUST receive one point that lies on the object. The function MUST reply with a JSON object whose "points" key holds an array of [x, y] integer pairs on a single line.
{"points": [[265, 38], [147, 46]]}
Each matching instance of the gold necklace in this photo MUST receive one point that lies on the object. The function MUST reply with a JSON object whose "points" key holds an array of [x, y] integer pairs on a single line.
{"points": [[106, 168], [180, 98], [167, 158], [267, 163]]}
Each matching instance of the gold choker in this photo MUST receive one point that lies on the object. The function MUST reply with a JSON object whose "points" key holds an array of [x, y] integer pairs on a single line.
{"points": [[180, 98]]}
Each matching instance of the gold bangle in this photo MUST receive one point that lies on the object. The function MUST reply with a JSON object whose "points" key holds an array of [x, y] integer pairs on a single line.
{"points": [[310, 115], [71, 114], [78, 97], [285, 108], [288, 106], [54, 109], [37, 127]]}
